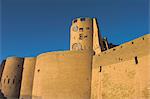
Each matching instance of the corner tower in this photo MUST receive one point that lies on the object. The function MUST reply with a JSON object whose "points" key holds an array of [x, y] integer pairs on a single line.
{"points": [[81, 34]]}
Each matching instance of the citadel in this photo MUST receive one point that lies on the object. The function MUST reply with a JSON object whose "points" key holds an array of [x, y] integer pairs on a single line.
{"points": [[91, 69]]}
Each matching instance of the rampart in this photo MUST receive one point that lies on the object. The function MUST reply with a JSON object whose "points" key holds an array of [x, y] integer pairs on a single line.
{"points": [[63, 75], [122, 72]]}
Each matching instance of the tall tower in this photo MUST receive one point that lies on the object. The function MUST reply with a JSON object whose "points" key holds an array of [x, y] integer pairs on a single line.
{"points": [[81, 34]]}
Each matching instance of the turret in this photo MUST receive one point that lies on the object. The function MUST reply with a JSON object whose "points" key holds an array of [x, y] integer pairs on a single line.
{"points": [[81, 37], [11, 77]]}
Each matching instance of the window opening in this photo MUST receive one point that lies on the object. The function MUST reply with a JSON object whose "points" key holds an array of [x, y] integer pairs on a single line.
{"points": [[100, 69], [8, 81], [82, 19], [75, 21], [136, 60], [80, 29]]}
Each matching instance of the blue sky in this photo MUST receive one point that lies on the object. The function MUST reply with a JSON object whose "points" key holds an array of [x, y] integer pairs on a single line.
{"points": [[31, 27]]}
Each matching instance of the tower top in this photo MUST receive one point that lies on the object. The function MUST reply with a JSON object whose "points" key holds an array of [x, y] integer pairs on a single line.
{"points": [[81, 19], [81, 37], [84, 35]]}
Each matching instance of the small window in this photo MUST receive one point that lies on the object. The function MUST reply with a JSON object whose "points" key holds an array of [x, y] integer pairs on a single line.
{"points": [[85, 36], [38, 70], [100, 68], [13, 81], [8, 81], [136, 60], [132, 42], [114, 49], [82, 19], [143, 38], [80, 29], [80, 36], [75, 21]]}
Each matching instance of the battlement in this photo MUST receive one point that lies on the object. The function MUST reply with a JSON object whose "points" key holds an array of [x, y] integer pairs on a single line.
{"points": [[135, 48], [122, 71]]}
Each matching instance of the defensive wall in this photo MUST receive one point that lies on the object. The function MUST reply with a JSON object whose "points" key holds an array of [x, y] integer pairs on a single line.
{"points": [[84, 72], [123, 71], [11, 77], [63, 75], [27, 78]]}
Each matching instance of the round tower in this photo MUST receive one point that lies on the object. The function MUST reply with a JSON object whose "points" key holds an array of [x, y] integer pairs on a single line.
{"points": [[81, 34], [11, 77]]}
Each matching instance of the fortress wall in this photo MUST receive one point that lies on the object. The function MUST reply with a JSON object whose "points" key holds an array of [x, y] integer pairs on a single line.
{"points": [[63, 75], [27, 78], [138, 47], [11, 77], [118, 74], [1, 71]]}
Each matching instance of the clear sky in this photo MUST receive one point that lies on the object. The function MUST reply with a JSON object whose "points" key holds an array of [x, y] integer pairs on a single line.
{"points": [[31, 27]]}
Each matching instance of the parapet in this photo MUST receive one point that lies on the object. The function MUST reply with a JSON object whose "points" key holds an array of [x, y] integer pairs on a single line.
{"points": [[138, 47]]}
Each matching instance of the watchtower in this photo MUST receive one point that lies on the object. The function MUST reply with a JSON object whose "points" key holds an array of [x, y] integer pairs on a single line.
{"points": [[81, 34]]}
